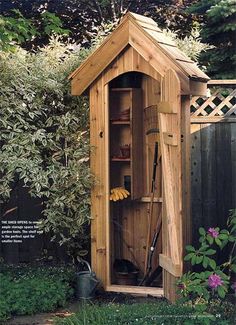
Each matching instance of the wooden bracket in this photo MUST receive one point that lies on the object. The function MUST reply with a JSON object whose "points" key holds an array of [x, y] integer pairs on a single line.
{"points": [[170, 138], [167, 264], [167, 108]]}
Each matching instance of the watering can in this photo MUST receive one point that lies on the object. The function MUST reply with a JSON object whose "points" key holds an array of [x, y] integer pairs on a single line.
{"points": [[86, 283]]}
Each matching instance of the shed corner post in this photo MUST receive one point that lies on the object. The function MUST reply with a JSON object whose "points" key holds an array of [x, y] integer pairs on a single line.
{"points": [[99, 190]]}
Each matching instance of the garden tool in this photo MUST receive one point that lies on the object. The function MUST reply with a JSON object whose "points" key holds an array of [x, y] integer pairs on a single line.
{"points": [[151, 203], [151, 123], [118, 193], [148, 277]]}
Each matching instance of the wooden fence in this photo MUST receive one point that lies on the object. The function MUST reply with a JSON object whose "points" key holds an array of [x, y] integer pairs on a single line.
{"points": [[213, 155]]}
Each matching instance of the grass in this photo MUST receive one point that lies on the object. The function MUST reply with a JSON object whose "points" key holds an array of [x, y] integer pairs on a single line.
{"points": [[149, 313]]}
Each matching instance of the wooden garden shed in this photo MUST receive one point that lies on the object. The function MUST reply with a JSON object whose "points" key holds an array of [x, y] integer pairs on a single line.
{"points": [[139, 81]]}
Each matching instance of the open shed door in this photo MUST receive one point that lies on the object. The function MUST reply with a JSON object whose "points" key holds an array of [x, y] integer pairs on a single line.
{"points": [[169, 113]]}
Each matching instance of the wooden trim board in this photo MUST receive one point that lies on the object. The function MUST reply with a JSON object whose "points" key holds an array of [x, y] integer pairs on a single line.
{"points": [[157, 292], [167, 264], [166, 107], [213, 119]]}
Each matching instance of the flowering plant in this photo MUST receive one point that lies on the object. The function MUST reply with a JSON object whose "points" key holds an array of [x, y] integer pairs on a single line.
{"points": [[213, 278]]}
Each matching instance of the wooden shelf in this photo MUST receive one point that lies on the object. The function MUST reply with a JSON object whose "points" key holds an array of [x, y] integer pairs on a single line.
{"points": [[148, 199], [121, 89], [120, 122], [120, 159]]}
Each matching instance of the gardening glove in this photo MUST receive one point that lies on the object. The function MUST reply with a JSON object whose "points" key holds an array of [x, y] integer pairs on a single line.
{"points": [[118, 193]]}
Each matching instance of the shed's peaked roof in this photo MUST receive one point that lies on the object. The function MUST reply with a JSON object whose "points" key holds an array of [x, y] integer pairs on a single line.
{"points": [[143, 34]]}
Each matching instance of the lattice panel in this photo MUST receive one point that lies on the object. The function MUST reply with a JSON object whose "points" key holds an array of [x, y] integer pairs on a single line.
{"points": [[218, 105]]}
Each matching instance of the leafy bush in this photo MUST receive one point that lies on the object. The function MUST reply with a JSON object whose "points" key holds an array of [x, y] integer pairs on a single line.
{"points": [[44, 137], [192, 44], [145, 314], [213, 279], [30, 290], [17, 30]]}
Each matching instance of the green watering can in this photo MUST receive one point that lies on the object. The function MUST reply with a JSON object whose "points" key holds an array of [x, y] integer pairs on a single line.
{"points": [[86, 283]]}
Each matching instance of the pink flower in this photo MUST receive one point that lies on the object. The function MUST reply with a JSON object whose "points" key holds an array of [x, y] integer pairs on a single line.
{"points": [[213, 232], [214, 281]]}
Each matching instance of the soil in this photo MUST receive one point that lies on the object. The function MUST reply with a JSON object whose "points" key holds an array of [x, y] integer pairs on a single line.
{"points": [[45, 318], [102, 297]]}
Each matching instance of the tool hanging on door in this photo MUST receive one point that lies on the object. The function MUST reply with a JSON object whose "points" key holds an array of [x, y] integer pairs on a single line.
{"points": [[151, 129], [151, 202]]}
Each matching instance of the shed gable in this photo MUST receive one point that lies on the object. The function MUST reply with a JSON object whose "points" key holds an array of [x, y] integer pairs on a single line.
{"points": [[142, 34]]}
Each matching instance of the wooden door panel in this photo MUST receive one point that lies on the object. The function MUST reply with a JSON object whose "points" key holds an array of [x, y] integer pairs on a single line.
{"points": [[169, 115]]}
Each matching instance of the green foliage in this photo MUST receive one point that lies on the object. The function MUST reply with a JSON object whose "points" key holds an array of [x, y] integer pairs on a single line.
{"points": [[53, 24], [191, 45], [15, 30], [218, 29], [18, 30], [147, 314], [32, 290], [198, 285], [82, 17], [44, 137]]}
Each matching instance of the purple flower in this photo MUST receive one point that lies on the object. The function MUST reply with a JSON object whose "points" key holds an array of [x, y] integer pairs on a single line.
{"points": [[214, 281], [213, 232]]}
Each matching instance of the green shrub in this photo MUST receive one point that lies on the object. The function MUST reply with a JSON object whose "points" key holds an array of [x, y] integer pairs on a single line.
{"points": [[44, 138], [147, 314], [31, 290]]}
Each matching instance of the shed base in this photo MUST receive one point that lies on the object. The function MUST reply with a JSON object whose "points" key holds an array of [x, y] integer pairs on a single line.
{"points": [[143, 291]]}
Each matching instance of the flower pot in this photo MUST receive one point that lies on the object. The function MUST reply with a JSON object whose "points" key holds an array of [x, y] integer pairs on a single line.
{"points": [[127, 278], [125, 151]]}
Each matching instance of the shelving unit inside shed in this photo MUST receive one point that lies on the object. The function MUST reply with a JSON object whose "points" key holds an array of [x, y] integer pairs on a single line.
{"points": [[131, 157], [126, 140]]}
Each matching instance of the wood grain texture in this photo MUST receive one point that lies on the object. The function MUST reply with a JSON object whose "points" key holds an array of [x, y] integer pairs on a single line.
{"points": [[172, 182], [98, 193], [208, 174], [136, 145], [167, 264], [196, 181], [143, 291], [223, 173], [171, 159]]}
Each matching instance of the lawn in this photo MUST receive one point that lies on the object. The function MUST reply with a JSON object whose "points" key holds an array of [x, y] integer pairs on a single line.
{"points": [[150, 313]]}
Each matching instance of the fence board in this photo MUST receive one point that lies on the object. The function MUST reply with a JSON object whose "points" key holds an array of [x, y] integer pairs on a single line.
{"points": [[213, 174], [223, 172], [233, 162], [213, 154], [196, 179], [208, 171]]}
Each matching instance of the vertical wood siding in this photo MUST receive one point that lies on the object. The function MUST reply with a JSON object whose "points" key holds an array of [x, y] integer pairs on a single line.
{"points": [[213, 174]]}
